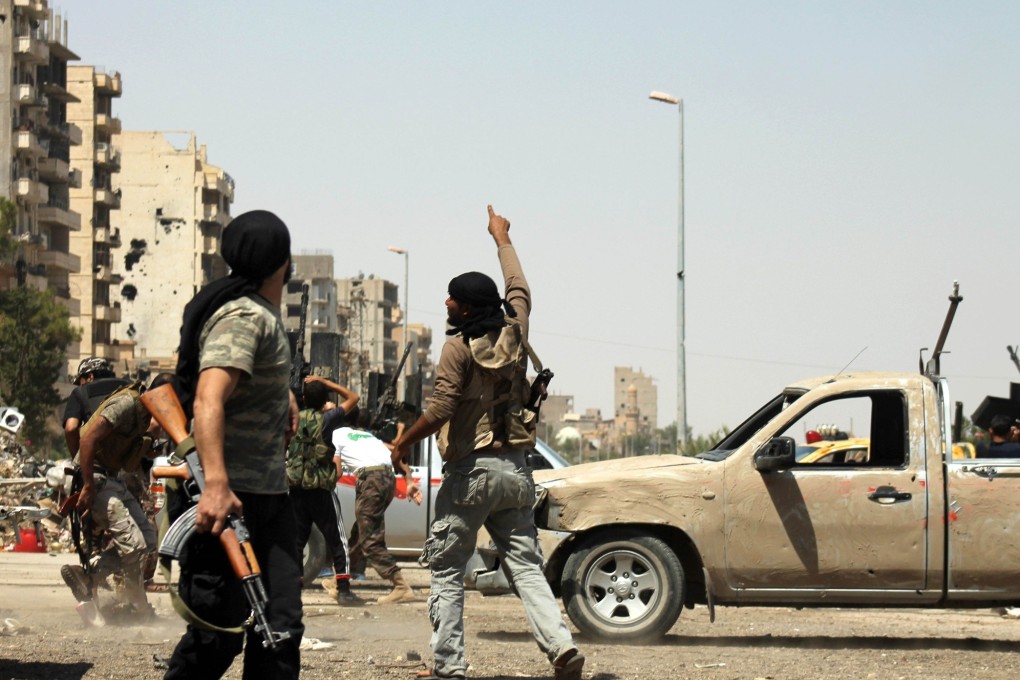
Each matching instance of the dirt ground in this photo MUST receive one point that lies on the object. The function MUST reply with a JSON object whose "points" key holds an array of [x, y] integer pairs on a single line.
{"points": [[43, 639]]}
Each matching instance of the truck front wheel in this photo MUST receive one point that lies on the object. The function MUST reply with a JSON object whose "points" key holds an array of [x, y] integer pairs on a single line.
{"points": [[623, 586]]}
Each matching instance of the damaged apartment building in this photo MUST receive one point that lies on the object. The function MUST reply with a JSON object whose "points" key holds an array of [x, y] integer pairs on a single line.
{"points": [[174, 205]]}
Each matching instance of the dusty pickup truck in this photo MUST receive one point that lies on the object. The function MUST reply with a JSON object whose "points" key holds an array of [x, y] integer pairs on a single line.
{"points": [[630, 542]]}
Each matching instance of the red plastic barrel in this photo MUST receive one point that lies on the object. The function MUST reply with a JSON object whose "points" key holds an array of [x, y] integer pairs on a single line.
{"points": [[31, 541]]}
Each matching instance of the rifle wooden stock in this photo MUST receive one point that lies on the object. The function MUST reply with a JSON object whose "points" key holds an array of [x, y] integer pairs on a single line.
{"points": [[166, 408], [171, 471]]}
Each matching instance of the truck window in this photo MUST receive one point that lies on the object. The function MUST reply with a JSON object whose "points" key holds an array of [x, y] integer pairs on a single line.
{"points": [[749, 427], [865, 429]]}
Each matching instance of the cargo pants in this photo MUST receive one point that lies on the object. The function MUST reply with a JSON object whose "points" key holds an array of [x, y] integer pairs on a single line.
{"points": [[116, 510], [497, 491], [374, 492]]}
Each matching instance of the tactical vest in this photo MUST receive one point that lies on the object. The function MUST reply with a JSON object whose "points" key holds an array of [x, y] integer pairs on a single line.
{"points": [[122, 449], [490, 411], [309, 460]]}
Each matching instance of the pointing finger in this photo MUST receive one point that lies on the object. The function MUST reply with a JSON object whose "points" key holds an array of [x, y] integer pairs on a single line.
{"points": [[492, 213]]}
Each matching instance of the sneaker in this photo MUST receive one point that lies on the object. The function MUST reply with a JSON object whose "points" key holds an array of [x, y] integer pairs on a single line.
{"points": [[569, 665], [348, 599], [77, 580]]}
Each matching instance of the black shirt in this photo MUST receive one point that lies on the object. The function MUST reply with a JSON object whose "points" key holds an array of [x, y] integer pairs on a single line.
{"points": [[87, 397]]}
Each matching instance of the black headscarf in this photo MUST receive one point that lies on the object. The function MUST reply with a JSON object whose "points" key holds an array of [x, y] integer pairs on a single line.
{"points": [[255, 244], [487, 307]]}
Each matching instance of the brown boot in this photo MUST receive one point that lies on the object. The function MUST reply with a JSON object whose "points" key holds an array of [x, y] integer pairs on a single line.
{"points": [[401, 591]]}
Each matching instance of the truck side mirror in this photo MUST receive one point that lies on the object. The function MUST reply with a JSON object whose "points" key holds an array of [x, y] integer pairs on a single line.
{"points": [[780, 453]]}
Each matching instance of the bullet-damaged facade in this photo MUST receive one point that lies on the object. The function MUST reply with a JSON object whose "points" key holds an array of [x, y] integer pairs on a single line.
{"points": [[174, 207]]}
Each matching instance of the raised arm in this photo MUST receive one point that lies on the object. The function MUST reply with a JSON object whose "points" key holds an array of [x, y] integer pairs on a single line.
{"points": [[350, 398]]}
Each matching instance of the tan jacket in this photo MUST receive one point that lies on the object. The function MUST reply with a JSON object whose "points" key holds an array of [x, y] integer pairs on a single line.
{"points": [[481, 386]]}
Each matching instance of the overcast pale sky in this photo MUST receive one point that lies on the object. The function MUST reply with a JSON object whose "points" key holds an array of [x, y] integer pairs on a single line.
{"points": [[845, 162]]}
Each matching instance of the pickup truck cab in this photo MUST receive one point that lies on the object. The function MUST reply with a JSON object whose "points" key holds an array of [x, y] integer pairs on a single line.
{"points": [[630, 542]]}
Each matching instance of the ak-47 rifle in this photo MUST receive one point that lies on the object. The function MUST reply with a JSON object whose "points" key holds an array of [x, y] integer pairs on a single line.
{"points": [[385, 416], [164, 406], [298, 365]]}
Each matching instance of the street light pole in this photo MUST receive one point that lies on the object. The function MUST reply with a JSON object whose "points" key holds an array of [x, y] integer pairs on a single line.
{"points": [[681, 370], [404, 252]]}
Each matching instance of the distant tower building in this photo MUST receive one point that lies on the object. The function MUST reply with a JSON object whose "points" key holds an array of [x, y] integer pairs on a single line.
{"points": [[323, 343], [647, 397], [370, 309], [96, 245], [36, 140], [173, 209]]}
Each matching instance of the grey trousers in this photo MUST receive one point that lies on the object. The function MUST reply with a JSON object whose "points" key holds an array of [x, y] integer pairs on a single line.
{"points": [[496, 491]]}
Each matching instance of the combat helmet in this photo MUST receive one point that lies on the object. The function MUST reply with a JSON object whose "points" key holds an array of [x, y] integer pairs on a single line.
{"points": [[92, 365]]}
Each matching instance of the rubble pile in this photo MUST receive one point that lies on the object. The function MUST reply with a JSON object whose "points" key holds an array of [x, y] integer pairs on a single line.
{"points": [[23, 484]]}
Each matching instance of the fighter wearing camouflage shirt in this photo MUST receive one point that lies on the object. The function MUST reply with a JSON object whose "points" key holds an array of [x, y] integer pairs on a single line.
{"points": [[235, 359]]}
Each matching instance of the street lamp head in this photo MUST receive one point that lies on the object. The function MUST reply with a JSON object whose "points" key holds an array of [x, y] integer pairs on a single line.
{"points": [[398, 251], [663, 97]]}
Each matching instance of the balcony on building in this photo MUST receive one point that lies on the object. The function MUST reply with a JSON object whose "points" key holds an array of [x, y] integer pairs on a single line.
{"points": [[107, 235], [106, 83], [27, 95], [105, 273], [107, 156], [108, 313], [57, 92], [218, 182], [54, 259], [107, 124], [31, 49], [212, 213], [110, 199], [35, 9], [32, 191], [57, 212], [63, 296], [68, 132], [54, 170], [27, 144]]}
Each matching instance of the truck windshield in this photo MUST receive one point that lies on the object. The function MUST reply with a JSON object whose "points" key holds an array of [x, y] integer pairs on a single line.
{"points": [[735, 439]]}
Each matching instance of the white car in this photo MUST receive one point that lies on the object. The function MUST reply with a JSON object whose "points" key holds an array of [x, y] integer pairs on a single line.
{"points": [[407, 524]]}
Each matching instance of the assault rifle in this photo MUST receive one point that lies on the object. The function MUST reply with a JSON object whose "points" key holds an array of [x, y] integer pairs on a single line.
{"points": [[164, 406], [298, 366], [384, 419]]}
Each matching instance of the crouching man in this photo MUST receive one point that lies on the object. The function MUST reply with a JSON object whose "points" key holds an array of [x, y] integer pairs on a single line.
{"points": [[113, 440]]}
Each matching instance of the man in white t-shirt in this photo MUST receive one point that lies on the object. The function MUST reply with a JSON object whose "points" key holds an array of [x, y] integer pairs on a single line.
{"points": [[369, 458]]}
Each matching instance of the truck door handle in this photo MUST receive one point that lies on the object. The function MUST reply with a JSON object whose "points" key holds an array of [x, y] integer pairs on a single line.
{"points": [[886, 495]]}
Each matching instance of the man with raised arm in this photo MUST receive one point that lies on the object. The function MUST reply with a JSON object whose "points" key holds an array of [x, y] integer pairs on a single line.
{"points": [[478, 408]]}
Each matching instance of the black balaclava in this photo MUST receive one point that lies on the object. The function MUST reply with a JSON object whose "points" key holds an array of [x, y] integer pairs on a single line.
{"points": [[487, 307], [255, 244]]}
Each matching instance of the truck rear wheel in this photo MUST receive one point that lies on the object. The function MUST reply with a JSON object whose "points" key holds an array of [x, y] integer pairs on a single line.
{"points": [[623, 586]]}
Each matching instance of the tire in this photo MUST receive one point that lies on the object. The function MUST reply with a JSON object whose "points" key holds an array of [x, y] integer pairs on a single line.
{"points": [[642, 607], [314, 557]]}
